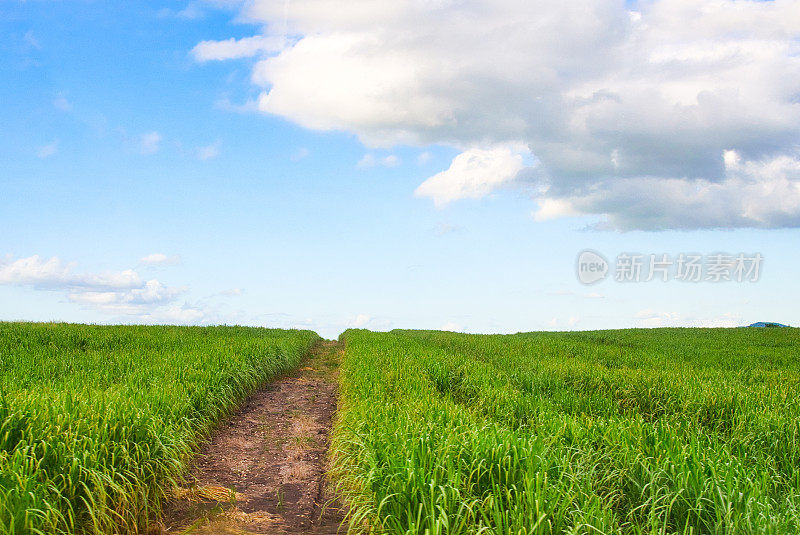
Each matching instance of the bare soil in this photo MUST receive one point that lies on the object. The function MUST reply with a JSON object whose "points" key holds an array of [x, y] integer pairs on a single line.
{"points": [[263, 471]]}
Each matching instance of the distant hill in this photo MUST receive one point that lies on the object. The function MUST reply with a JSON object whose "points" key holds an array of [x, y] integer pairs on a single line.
{"points": [[766, 324]]}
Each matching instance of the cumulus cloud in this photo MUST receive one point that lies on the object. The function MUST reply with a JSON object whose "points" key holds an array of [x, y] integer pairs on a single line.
{"points": [[150, 143], [761, 194], [52, 273], [151, 292], [473, 174], [627, 110], [117, 292]]}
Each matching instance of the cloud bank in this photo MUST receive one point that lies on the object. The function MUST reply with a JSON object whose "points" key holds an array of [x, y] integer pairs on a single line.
{"points": [[116, 292], [657, 115]]}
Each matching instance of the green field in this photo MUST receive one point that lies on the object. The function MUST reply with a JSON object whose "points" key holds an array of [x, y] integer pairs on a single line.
{"points": [[635, 431], [97, 422]]}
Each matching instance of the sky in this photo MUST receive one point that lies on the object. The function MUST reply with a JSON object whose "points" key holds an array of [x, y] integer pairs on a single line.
{"points": [[426, 164]]}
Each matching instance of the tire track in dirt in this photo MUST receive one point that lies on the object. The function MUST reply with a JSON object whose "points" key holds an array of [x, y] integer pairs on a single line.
{"points": [[263, 470]]}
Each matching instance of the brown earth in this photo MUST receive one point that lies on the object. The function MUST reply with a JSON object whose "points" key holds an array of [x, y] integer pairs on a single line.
{"points": [[263, 471]]}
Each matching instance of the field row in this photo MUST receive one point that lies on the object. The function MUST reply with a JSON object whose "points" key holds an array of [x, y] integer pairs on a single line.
{"points": [[656, 431], [96, 423]]}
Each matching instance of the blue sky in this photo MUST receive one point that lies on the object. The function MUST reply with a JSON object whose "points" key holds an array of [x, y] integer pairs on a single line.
{"points": [[401, 183]]}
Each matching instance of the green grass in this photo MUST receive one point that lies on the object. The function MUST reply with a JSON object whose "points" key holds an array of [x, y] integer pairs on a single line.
{"points": [[96, 423], [636, 431]]}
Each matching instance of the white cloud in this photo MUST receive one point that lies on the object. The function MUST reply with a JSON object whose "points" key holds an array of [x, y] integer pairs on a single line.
{"points": [[48, 150], [569, 324], [370, 160], [178, 315], [361, 320], [473, 174], [52, 273], [121, 295], [195, 10], [160, 259], [225, 104], [390, 161], [763, 193], [617, 106], [424, 157], [192, 11], [149, 143], [451, 326], [116, 292], [652, 319], [236, 48], [209, 151], [365, 321], [130, 301]]}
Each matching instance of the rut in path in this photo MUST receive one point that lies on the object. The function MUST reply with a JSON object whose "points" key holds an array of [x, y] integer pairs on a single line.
{"points": [[263, 471]]}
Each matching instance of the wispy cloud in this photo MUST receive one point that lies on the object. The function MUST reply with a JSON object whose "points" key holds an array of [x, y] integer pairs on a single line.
{"points": [[445, 228], [231, 292], [370, 160], [160, 259], [192, 11], [300, 154], [565, 324], [150, 143], [48, 150], [209, 151], [658, 318], [61, 103], [237, 48], [31, 41]]}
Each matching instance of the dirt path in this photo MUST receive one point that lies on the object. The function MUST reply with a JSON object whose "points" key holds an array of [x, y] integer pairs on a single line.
{"points": [[263, 471]]}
